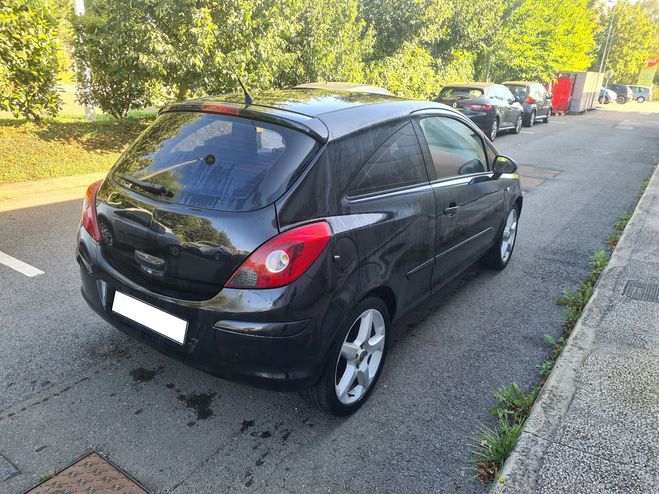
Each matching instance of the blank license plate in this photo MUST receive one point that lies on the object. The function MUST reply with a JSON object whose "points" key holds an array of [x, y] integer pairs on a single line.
{"points": [[147, 315]]}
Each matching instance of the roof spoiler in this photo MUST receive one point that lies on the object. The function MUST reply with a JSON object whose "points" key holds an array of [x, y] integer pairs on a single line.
{"points": [[308, 125]]}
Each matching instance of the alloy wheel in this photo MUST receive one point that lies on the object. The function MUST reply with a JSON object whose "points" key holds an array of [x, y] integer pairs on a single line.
{"points": [[360, 357], [532, 119], [509, 235], [494, 129], [518, 124]]}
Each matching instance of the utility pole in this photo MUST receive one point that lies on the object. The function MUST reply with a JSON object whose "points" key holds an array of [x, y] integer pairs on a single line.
{"points": [[79, 9]]}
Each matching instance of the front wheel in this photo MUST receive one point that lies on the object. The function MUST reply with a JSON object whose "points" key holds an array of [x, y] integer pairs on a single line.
{"points": [[518, 125], [600, 100], [500, 253], [494, 129], [621, 100], [355, 361], [640, 99]]}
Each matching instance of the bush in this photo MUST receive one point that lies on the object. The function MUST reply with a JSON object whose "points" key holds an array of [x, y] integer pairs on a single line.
{"points": [[28, 59]]}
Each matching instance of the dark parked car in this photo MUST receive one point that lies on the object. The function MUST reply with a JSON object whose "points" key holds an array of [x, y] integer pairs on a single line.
{"points": [[490, 106], [624, 93], [274, 243], [535, 100]]}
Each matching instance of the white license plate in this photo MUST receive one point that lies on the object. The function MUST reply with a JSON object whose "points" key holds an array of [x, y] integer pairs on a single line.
{"points": [[147, 315]]}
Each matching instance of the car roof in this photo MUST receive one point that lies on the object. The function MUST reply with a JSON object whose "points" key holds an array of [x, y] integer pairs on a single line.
{"points": [[477, 85], [324, 113], [520, 83], [345, 86]]}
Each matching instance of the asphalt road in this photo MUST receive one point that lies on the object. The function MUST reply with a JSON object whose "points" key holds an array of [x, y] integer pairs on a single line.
{"points": [[70, 384]]}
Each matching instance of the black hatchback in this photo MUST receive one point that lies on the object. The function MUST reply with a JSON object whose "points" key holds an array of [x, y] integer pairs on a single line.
{"points": [[490, 106], [275, 242]]}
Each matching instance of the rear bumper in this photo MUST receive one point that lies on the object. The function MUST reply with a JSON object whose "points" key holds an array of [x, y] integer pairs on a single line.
{"points": [[481, 118], [277, 339]]}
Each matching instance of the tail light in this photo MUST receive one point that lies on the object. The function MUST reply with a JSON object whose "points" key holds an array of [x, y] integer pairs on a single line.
{"points": [[478, 107], [529, 100], [89, 220], [282, 259]]}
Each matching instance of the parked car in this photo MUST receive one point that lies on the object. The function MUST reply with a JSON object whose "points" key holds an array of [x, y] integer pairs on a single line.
{"points": [[534, 98], [641, 93], [624, 93], [354, 209], [490, 106], [607, 96]]}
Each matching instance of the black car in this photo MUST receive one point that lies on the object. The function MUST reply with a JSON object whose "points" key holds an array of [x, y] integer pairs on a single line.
{"points": [[623, 92], [275, 242], [535, 100], [490, 106]]}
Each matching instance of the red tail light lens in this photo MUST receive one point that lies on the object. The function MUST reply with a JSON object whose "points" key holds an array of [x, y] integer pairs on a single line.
{"points": [[529, 100], [89, 220], [282, 259], [479, 107]]}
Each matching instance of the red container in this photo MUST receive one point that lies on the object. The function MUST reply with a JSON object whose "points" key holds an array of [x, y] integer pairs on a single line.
{"points": [[562, 92]]}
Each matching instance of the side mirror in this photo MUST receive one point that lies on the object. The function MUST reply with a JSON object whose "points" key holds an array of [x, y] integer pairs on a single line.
{"points": [[511, 101], [503, 164]]}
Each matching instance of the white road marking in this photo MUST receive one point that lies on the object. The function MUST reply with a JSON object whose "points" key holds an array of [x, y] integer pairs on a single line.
{"points": [[19, 266], [527, 132]]}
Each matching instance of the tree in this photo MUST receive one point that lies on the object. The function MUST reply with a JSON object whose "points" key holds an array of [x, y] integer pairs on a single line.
{"points": [[632, 37], [28, 59]]}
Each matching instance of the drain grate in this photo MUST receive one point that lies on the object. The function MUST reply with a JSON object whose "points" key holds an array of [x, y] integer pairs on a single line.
{"points": [[90, 474], [641, 290]]}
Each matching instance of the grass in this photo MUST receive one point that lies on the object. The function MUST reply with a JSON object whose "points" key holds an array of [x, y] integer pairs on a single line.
{"points": [[494, 445], [66, 145], [46, 476]]}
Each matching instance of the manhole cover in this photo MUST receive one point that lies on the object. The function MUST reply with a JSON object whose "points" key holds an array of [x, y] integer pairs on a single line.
{"points": [[90, 474], [642, 290]]}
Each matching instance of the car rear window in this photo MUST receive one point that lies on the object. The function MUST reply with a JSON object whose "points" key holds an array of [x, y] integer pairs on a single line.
{"points": [[461, 92], [213, 161], [518, 90]]}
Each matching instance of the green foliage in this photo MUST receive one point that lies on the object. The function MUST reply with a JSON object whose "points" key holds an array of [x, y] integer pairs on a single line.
{"points": [[28, 58], [513, 403], [494, 447], [632, 38], [64, 146]]}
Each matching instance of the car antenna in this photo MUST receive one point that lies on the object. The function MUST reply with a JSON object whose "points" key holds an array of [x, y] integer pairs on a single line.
{"points": [[248, 98]]}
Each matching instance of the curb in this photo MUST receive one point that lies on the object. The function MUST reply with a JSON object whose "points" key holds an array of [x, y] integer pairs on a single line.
{"points": [[42, 192], [523, 467]]}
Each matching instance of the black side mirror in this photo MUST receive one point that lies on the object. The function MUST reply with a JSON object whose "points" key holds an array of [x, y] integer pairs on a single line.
{"points": [[504, 164], [518, 99]]}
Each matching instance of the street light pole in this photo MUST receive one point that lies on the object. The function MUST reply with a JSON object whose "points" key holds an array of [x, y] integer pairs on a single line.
{"points": [[79, 9]]}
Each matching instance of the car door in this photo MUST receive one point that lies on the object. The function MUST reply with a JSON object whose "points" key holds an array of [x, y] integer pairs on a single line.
{"points": [[542, 101], [468, 197], [512, 107]]}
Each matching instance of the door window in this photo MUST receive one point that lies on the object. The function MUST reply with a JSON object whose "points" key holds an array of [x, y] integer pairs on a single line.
{"points": [[397, 163], [455, 148]]}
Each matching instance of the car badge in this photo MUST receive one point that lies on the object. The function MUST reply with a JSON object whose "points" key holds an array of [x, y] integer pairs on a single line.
{"points": [[455, 105]]}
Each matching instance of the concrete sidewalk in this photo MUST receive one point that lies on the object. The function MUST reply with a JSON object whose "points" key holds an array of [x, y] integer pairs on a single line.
{"points": [[41, 192], [595, 426]]}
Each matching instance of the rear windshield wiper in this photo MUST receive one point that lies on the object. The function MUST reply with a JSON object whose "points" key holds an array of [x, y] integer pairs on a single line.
{"points": [[154, 188]]}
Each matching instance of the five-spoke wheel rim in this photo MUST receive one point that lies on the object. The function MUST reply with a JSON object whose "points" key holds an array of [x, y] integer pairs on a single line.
{"points": [[494, 130], [360, 357], [508, 236]]}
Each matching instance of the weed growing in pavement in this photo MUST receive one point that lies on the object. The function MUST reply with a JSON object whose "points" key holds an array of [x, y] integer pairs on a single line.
{"points": [[46, 476], [494, 445]]}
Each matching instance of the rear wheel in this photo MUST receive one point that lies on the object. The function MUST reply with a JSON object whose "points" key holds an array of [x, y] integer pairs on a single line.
{"points": [[530, 119], [494, 128], [546, 119], [640, 99], [621, 100], [500, 253], [355, 361], [600, 99]]}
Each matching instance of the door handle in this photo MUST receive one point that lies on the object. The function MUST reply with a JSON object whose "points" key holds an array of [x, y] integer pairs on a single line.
{"points": [[451, 210]]}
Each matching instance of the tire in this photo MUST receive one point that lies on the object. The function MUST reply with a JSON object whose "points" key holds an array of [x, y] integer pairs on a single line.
{"points": [[640, 99], [600, 100], [621, 100], [341, 391], [546, 119], [531, 119], [495, 258], [494, 128], [518, 125]]}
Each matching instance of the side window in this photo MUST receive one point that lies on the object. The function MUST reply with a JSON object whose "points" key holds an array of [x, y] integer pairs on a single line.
{"points": [[397, 163], [506, 94], [455, 149]]}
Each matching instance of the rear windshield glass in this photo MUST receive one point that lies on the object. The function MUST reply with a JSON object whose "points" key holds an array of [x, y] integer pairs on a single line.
{"points": [[461, 92], [517, 90], [213, 161]]}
